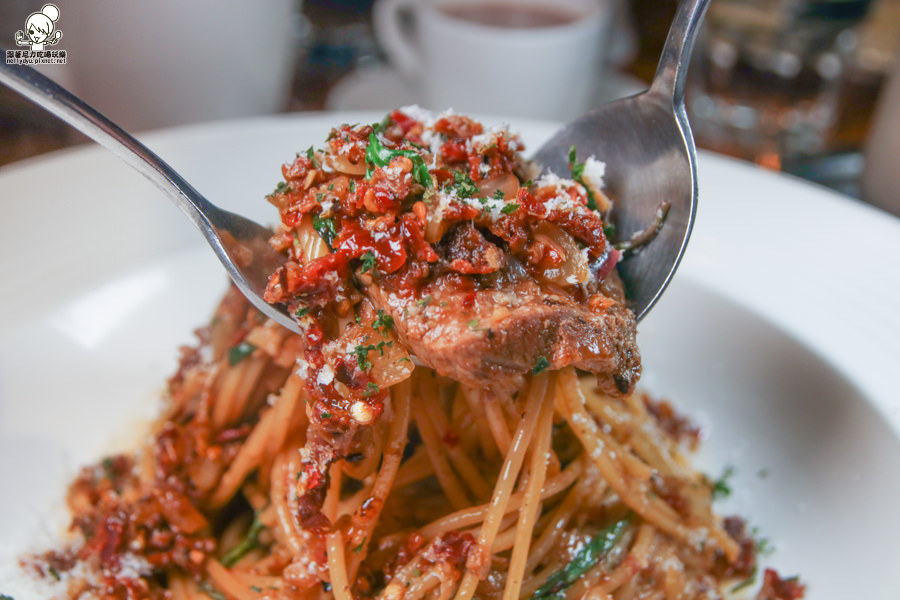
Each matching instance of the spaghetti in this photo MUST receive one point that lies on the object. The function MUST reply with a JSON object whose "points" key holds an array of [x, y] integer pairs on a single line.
{"points": [[331, 466]]}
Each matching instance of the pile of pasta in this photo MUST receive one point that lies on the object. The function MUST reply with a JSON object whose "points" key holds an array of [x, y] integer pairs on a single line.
{"points": [[550, 491]]}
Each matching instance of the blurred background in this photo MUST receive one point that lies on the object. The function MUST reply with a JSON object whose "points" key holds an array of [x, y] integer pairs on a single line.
{"points": [[800, 86]]}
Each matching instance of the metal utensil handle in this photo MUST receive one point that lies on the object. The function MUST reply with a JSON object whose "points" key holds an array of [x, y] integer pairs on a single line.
{"points": [[673, 63], [54, 98]]}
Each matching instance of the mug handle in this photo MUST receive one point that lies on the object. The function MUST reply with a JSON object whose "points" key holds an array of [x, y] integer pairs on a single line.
{"points": [[396, 40]]}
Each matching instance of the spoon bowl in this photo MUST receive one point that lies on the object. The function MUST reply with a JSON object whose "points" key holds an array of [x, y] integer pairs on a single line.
{"points": [[651, 169]]}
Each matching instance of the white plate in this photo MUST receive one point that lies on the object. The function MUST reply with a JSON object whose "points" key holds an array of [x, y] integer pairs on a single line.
{"points": [[780, 334], [380, 87]]}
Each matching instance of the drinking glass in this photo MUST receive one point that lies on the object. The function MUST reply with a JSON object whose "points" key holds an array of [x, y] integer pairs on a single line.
{"points": [[766, 77]]}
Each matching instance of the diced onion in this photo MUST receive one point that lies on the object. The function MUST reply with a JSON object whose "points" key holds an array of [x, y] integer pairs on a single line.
{"points": [[506, 183], [312, 246], [574, 269], [342, 164]]}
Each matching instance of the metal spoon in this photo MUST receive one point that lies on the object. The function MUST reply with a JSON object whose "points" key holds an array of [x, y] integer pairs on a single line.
{"points": [[645, 141], [651, 161], [239, 243]]}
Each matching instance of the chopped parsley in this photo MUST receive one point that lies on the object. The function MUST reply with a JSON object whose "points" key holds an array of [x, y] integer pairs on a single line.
{"points": [[499, 195], [722, 486], [583, 561], [424, 301], [371, 389], [509, 208], [745, 583], [761, 545], [382, 125], [302, 311], [464, 186], [541, 365], [311, 155], [368, 262], [238, 353], [362, 544], [362, 356], [280, 188], [325, 228], [5, 597], [379, 156], [250, 542], [326, 415], [383, 321], [212, 592], [577, 169]]}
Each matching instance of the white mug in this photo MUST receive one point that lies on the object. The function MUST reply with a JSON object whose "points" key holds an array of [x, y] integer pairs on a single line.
{"points": [[157, 64], [477, 56]]}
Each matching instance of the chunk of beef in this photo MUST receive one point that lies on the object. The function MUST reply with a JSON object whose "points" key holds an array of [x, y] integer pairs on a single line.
{"points": [[484, 331]]}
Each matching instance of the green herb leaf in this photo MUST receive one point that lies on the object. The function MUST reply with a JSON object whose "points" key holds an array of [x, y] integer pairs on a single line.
{"points": [[5, 597], [509, 208], [325, 228], [379, 156], [761, 545], [383, 321], [280, 188], [473, 324], [541, 365], [302, 311], [368, 262], [362, 356], [359, 548], [745, 583], [250, 542], [382, 125], [212, 592], [238, 353], [371, 389], [464, 186], [311, 155], [722, 485], [583, 561], [499, 195], [325, 415], [424, 301], [577, 169]]}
